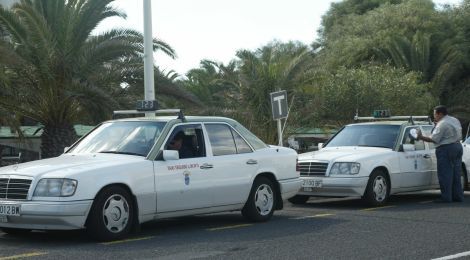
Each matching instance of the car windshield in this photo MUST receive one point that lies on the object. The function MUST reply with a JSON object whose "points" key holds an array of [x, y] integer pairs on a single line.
{"points": [[366, 135], [121, 137]]}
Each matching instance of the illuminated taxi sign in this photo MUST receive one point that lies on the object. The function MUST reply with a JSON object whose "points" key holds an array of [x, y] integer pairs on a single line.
{"points": [[381, 113], [146, 105]]}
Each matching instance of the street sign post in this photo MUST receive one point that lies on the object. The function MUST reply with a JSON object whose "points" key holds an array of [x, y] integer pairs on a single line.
{"points": [[279, 109]]}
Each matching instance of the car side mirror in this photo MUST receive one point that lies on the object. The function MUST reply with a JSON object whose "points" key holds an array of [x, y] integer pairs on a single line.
{"points": [[320, 146], [169, 155], [408, 147]]}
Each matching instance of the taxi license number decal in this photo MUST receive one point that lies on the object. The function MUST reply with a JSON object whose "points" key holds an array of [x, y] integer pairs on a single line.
{"points": [[183, 166], [10, 210]]}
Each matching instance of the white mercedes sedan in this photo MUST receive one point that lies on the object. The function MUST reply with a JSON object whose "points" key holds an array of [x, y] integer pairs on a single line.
{"points": [[129, 171]]}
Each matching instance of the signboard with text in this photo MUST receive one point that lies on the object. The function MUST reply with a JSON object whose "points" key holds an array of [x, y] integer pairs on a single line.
{"points": [[279, 104]]}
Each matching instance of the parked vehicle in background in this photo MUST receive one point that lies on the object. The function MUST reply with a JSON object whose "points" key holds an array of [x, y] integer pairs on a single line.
{"points": [[124, 173], [372, 160]]}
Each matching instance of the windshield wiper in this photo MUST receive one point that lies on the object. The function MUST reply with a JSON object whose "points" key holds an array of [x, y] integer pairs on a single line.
{"points": [[117, 152]]}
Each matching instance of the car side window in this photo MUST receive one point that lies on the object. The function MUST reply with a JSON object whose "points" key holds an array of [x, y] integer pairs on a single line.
{"points": [[419, 144], [427, 132], [221, 139], [241, 145], [188, 140]]}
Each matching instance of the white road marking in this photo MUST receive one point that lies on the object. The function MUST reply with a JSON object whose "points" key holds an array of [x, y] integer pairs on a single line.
{"points": [[453, 256], [314, 216]]}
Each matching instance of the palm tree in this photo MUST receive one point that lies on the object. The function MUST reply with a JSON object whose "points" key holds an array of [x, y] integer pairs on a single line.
{"points": [[273, 67], [55, 66]]}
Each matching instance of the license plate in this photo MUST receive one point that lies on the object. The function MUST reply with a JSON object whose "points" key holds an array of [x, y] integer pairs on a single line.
{"points": [[312, 184], [10, 210]]}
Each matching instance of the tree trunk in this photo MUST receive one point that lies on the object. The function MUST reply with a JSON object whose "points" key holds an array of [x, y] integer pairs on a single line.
{"points": [[55, 138]]}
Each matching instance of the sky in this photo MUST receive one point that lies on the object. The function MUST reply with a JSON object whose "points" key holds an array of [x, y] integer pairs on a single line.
{"points": [[216, 29]]}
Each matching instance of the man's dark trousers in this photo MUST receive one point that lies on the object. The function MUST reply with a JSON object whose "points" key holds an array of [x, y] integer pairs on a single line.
{"points": [[449, 166]]}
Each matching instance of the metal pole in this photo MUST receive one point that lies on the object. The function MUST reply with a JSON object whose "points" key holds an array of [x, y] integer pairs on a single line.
{"points": [[279, 131], [149, 85]]}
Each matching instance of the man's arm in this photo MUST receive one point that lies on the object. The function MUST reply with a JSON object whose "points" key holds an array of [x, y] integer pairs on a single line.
{"points": [[424, 138]]}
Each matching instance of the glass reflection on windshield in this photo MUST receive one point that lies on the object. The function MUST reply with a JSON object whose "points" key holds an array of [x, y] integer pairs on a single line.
{"points": [[366, 135], [121, 137]]}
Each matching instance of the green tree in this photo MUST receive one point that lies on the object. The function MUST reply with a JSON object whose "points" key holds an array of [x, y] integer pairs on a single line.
{"points": [[54, 63], [337, 95]]}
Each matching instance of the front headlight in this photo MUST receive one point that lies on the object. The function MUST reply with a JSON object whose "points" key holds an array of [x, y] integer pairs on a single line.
{"points": [[344, 168], [55, 188]]}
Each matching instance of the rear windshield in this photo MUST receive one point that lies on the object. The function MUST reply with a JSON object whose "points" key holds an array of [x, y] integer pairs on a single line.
{"points": [[366, 135]]}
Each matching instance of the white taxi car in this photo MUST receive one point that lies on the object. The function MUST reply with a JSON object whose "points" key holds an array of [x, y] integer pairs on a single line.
{"points": [[372, 160], [124, 173]]}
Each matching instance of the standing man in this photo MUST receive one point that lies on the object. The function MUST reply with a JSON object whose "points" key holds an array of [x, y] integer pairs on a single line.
{"points": [[447, 135]]}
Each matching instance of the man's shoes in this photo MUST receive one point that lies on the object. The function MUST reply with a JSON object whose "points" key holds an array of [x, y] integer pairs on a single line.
{"points": [[441, 201]]}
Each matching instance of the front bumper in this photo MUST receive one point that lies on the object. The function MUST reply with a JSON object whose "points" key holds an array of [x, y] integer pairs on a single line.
{"points": [[289, 187], [45, 215], [337, 186]]}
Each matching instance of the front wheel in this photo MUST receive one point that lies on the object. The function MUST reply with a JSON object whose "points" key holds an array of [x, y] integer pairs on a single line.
{"points": [[463, 179], [260, 204], [111, 215], [378, 189]]}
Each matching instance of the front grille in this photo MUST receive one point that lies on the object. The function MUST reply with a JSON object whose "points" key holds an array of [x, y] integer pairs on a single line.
{"points": [[313, 168], [14, 189]]}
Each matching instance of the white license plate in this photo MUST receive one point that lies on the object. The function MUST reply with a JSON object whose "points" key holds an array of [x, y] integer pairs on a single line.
{"points": [[10, 210], [312, 184]]}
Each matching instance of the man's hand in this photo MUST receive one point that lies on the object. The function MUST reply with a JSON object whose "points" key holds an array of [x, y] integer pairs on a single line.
{"points": [[420, 135]]}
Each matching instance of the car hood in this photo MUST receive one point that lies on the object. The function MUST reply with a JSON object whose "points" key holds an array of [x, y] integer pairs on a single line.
{"points": [[345, 154], [68, 164]]}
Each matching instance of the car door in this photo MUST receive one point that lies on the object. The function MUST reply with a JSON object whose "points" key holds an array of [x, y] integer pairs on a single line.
{"points": [[432, 151], [415, 166], [184, 183], [234, 163]]}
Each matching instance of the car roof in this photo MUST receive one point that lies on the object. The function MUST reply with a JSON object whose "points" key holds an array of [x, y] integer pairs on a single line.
{"points": [[171, 118], [392, 123]]}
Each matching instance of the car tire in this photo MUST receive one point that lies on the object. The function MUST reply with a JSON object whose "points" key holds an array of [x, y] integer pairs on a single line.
{"points": [[299, 199], [111, 215], [260, 204], [16, 231], [464, 179], [378, 189]]}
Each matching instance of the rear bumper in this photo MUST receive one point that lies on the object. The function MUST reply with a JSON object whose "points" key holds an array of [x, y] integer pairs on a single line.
{"points": [[337, 186], [44, 215], [290, 187]]}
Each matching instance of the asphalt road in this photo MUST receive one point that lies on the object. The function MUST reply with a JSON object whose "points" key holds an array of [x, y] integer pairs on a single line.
{"points": [[411, 226]]}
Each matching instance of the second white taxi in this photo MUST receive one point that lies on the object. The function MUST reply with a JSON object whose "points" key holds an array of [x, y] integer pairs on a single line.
{"points": [[372, 160], [129, 171]]}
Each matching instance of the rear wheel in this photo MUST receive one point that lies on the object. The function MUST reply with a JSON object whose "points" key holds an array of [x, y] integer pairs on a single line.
{"points": [[260, 204], [111, 215], [299, 199], [378, 189]]}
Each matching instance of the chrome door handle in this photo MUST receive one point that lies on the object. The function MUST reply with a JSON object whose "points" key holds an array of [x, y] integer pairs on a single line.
{"points": [[251, 161], [206, 166], [427, 156]]}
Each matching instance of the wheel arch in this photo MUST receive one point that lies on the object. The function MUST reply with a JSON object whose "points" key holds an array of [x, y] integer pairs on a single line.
{"points": [[136, 223], [279, 204]]}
